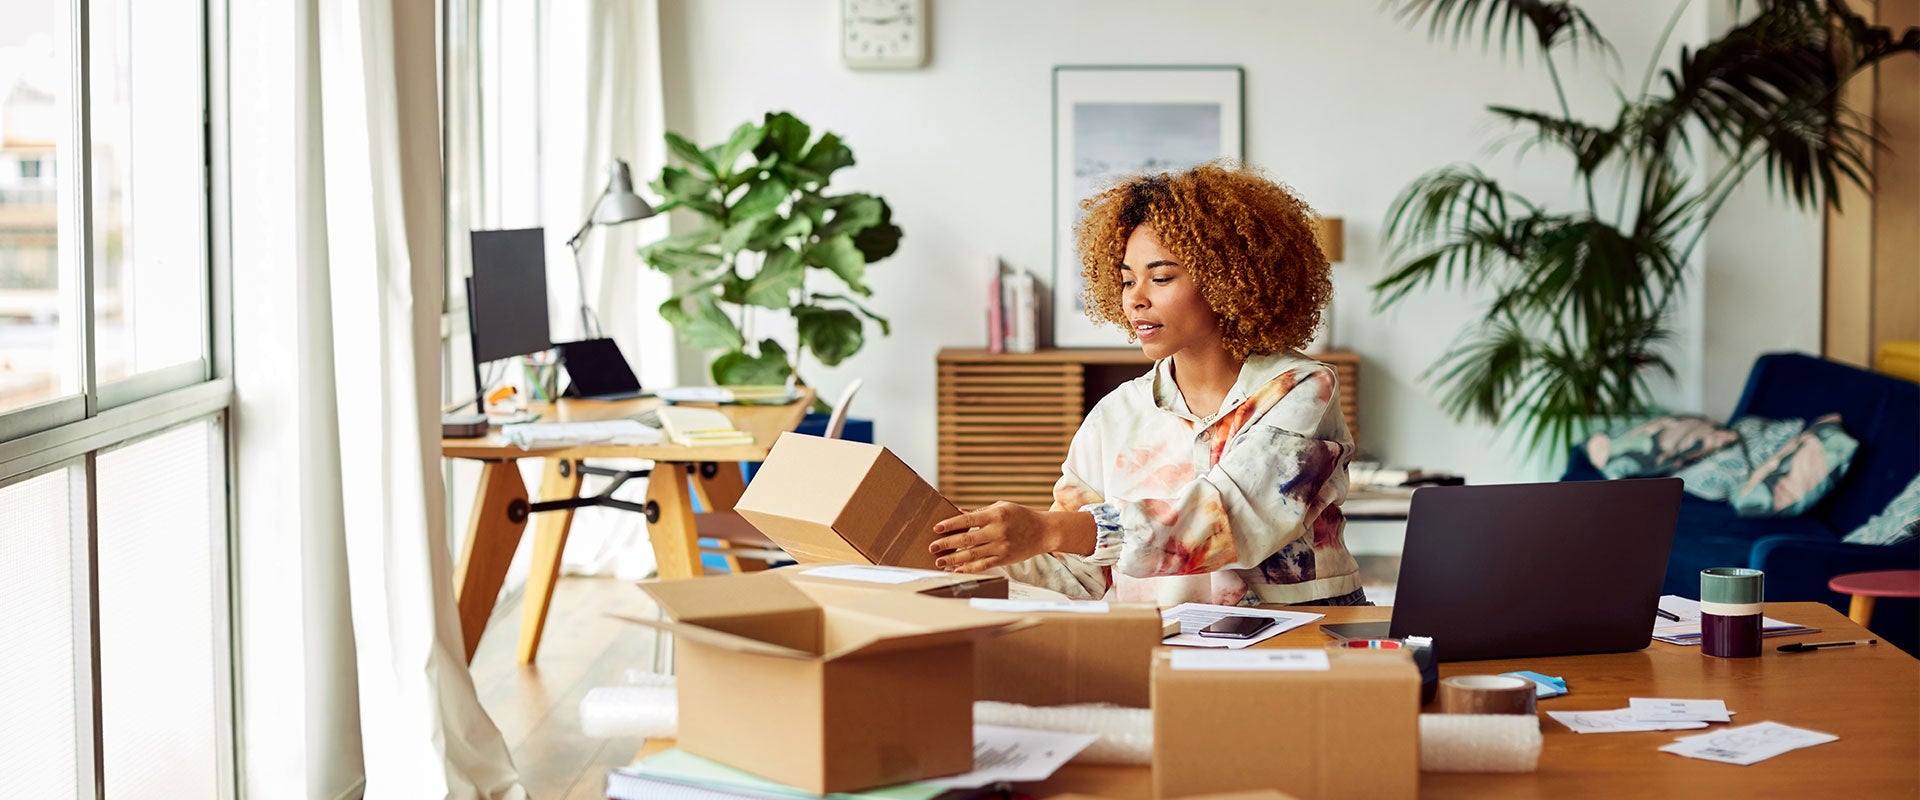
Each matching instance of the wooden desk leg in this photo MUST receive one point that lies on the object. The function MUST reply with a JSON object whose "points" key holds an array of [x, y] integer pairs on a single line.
{"points": [[561, 481], [719, 486], [493, 533], [1861, 609], [676, 544]]}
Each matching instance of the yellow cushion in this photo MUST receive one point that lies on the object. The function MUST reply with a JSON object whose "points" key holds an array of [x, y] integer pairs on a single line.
{"points": [[1900, 358]]}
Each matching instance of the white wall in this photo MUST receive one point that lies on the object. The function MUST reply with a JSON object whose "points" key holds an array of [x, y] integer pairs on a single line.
{"points": [[1342, 102]]}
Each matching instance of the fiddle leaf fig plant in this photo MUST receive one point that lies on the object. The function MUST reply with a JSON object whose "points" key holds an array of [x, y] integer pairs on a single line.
{"points": [[766, 222]]}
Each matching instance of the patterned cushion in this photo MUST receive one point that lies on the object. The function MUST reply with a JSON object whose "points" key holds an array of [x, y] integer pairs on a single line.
{"points": [[1657, 447], [1796, 476], [1900, 522], [1720, 473]]}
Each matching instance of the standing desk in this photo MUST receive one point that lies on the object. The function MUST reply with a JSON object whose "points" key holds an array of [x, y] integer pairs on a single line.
{"points": [[501, 506]]}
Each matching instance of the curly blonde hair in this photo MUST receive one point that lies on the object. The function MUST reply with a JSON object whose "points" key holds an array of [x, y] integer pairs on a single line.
{"points": [[1247, 241]]}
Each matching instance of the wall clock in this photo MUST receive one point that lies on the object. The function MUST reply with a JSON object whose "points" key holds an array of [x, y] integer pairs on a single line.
{"points": [[883, 34]]}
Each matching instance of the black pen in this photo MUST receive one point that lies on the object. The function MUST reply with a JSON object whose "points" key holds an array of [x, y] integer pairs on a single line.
{"points": [[1665, 614], [1801, 647]]}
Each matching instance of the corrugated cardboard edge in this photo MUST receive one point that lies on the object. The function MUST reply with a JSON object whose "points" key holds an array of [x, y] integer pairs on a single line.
{"points": [[720, 639]]}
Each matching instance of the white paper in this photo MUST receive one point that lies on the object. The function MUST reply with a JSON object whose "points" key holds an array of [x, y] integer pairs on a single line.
{"points": [[694, 394], [1194, 616], [529, 435], [1031, 606], [1027, 591], [1686, 631], [1270, 660], [1666, 709], [1013, 755], [1619, 720], [1747, 744], [865, 573]]}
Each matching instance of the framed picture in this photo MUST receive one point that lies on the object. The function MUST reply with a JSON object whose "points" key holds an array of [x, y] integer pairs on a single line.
{"points": [[1115, 121]]}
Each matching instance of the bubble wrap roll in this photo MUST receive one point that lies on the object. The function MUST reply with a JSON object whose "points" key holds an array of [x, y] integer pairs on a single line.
{"points": [[1479, 743], [1126, 734], [630, 711]]}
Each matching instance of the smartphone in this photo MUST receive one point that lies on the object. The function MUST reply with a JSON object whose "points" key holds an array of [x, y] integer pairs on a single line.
{"points": [[1237, 627]]}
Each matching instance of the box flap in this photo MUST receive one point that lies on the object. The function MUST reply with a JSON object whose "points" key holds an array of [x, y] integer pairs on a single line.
{"points": [[865, 624], [698, 600], [892, 514], [717, 638]]}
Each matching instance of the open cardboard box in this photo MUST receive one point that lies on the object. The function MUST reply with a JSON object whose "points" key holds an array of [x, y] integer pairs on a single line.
{"points": [[1352, 723], [822, 688], [840, 501]]}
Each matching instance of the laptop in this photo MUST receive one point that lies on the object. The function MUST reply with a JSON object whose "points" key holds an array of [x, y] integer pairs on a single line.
{"points": [[597, 370], [1536, 569]]}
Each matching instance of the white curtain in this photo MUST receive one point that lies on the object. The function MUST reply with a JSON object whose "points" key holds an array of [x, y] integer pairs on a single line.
{"points": [[625, 119], [423, 733]]}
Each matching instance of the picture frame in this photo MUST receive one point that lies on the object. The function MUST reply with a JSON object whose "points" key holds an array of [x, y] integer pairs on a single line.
{"points": [[1110, 121]]}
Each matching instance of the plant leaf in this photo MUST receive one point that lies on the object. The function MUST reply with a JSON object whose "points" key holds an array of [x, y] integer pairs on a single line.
{"points": [[779, 277], [839, 255], [779, 230], [690, 154], [701, 323], [786, 136], [886, 328], [852, 213], [769, 367], [676, 262], [763, 198], [744, 139], [827, 156], [1543, 24], [880, 240], [831, 334]]}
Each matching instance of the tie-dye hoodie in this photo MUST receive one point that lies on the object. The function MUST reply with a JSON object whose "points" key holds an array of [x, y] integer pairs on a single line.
{"points": [[1239, 508]]}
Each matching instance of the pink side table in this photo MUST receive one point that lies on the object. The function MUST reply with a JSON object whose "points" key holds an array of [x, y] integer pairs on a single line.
{"points": [[1866, 586]]}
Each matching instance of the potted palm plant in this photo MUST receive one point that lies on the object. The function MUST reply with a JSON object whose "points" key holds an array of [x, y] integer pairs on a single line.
{"points": [[766, 222], [1583, 295]]}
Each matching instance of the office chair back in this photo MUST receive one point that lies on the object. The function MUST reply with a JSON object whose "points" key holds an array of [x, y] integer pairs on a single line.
{"points": [[837, 421]]}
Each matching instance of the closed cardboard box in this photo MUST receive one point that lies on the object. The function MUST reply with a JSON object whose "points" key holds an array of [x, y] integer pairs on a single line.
{"points": [[1072, 657], [829, 691], [1293, 720], [833, 500], [870, 577]]}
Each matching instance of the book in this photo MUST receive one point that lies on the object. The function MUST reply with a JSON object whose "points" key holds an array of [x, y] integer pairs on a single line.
{"points": [[1686, 629], [700, 427], [678, 775]]}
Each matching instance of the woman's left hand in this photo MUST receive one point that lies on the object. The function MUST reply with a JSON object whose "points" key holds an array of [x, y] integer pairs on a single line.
{"points": [[1000, 534]]}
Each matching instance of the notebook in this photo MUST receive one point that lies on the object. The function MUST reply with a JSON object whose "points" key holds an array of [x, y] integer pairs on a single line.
{"points": [[700, 427]]}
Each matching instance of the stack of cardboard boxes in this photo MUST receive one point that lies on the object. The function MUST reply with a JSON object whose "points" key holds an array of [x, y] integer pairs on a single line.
{"points": [[847, 676]]}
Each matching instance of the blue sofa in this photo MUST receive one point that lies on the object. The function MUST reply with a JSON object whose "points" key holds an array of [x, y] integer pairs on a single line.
{"points": [[1800, 554]]}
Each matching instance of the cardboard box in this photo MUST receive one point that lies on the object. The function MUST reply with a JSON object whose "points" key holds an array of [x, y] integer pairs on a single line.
{"points": [[1073, 657], [871, 577], [840, 501], [827, 691], [1302, 723]]}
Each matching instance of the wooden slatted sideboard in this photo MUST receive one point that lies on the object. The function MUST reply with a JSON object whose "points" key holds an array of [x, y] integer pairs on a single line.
{"points": [[1005, 419]]}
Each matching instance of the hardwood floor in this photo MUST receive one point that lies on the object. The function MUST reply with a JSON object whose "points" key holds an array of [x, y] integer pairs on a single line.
{"points": [[537, 706]]}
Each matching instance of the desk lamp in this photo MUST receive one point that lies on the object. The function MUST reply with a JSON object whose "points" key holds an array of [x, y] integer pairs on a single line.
{"points": [[617, 204]]}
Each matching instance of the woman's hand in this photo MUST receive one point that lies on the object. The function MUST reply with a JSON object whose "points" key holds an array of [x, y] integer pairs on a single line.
{"points": [[1001, 534]]}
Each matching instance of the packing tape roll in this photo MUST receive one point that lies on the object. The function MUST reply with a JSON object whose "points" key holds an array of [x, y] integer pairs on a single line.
{"points": [[1479, 743], [1487, 694]]}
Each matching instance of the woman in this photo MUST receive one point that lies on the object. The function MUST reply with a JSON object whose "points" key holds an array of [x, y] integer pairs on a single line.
{"points": [[1217, 476]]}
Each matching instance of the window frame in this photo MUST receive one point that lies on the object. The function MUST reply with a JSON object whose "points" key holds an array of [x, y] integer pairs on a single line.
{"points": [[70, 432]]}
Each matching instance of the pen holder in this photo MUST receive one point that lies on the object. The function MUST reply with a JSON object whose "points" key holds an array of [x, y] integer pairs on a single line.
{"points": [[1730, 611]]}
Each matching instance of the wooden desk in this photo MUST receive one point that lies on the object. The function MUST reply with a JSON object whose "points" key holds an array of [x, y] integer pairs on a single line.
{"points": [[1869, 697], [500, 507]]}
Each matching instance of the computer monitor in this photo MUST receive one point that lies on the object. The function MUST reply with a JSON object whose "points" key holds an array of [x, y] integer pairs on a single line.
{"points": [[507, 295]]}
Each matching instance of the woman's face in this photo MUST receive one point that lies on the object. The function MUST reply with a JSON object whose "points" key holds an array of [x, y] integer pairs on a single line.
{"points": [[1163, 306]]}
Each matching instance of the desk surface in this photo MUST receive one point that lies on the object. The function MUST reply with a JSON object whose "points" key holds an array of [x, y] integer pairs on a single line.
{"points": [[1867, 696], [766, 423]]}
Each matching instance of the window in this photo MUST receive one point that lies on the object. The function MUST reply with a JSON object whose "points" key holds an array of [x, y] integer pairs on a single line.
{"points": [[113, 406]]}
